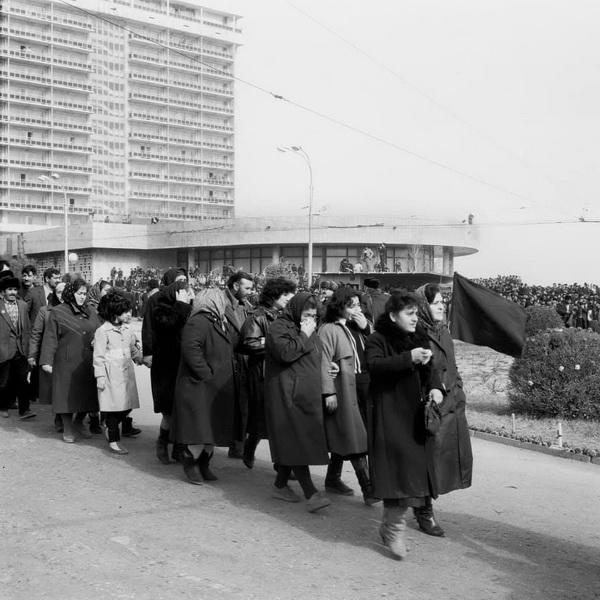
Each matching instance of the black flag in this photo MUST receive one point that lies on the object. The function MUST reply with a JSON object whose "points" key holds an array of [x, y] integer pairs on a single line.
{"points": [[482, 317]]}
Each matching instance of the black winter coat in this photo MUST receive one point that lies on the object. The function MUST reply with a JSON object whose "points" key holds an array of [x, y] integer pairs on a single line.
{"points": [[401, 452]]}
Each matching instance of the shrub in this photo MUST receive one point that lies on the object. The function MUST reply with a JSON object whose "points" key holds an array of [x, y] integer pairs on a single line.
{"points": [[540, 318], [558, 375]]}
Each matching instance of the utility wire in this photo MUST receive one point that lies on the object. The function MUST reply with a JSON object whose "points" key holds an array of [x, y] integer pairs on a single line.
{"points": [[306, 108], [442, 107]]}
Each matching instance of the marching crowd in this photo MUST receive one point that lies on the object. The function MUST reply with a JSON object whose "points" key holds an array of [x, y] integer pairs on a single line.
{"points": [[365, 377]]}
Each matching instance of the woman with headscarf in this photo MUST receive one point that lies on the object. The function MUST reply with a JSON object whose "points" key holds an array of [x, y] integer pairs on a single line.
{"points": [[453, 457], [67, 354], [293, 401], [97, 291], [166, 314], [205, 389]]}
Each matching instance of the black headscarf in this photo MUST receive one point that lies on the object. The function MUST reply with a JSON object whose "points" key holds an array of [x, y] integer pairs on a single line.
{"points": [[69, 296], [294, 308], [169, 276]]}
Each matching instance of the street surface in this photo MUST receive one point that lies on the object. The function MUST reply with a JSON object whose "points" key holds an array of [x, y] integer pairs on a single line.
{"points": [[80, 523]]}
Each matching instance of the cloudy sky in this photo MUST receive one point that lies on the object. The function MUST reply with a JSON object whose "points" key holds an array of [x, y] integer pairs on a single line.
{"points": [[471, 106]]}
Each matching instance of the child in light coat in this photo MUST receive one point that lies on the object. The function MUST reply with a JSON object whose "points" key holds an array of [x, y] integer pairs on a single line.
{"points": [[115, 351]]}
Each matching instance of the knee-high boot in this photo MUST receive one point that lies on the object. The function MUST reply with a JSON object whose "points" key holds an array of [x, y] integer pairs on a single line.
{"points": [[190, 467], [333, 479], [392, 529], [362, 474], [162, 446]]}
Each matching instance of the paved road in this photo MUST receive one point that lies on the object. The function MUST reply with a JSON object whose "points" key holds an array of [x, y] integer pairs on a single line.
{"points": [[79, 523]]}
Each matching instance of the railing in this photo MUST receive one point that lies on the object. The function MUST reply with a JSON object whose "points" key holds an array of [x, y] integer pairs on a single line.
{"points": [[47, 101], [44, 165], [183, 141], [44, 123], [15, 10], [38, 36], [46, 144], [46, 59], [45, 186], [47, 80]]}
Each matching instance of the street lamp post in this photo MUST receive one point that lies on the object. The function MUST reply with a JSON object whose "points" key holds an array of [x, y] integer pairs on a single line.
{"points": [[301, 152], [56, 176]]}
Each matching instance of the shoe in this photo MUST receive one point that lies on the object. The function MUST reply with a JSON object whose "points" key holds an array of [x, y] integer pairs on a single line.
{"points": [[176, 453], [361, 470], [28, 414], [392, 536], [203, 465], [426, 520], [95, 427], [317, 501], [338, 487], [116, 449], [68, 438], [249, 450], [287, 494], [234, 452], [4, 413], [162, 446], [190, 467], [81, 430], [58, 424], [127, 428]]}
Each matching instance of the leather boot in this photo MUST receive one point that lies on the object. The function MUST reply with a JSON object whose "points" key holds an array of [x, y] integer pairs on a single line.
{"points": [[203, 465], [177, 452], [162, 446], [333, 479], [127, 428], [95, 423], [362, 474], [426, 519], [392, 530], [249, 449], [190, 466]]}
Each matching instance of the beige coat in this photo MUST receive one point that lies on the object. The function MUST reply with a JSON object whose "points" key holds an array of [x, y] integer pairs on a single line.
{"points": [[115, 351]]}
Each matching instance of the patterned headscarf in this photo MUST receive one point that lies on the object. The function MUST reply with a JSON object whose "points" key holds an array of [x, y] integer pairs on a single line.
{"points": [[69, 294], [211, 300]]}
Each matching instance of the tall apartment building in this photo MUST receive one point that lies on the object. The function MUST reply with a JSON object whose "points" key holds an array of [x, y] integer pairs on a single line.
{"points": [[119, 110]]}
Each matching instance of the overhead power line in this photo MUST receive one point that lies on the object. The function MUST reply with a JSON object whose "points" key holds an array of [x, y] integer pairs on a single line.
{"points": [[307, 109]]}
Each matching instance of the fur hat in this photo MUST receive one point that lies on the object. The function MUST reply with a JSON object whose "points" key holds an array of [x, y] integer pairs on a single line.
{"points": [[371, 282], [8, 282]]}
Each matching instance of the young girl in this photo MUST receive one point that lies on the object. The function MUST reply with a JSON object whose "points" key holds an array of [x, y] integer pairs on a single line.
{"points": [[115, 351]]}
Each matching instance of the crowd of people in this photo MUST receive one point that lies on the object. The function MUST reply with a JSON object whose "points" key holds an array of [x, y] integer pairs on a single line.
{"points": [[325, 376], [577, 304]]}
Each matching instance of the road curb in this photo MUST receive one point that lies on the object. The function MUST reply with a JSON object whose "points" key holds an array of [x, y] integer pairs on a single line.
{"points": [[507, 441]]}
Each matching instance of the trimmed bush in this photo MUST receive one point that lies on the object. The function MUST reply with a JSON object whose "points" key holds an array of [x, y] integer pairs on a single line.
{"points": [[558, 375], [540, 318]]}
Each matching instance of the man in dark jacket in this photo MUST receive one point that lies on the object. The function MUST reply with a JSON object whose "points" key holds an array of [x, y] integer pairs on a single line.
{"points": [[373, 299], [39, 295], [14, 348], [239, 287]]}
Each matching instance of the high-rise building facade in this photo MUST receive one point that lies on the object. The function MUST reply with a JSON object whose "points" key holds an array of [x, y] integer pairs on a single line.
{"points": [[117, 110]]}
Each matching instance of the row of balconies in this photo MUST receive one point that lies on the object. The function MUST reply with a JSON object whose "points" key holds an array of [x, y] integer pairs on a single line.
{"points": [[47, 81], [178, 197], [25, 99], [179, 122], [51, 145], [38, 185], [180, 178], [180, 45], [41, 15], [152, 137], [180, 159], [46, 124], [188, 85], [47, 60], [39, 36], [47, 165], [173, 64], [174, 102], [32, 205]]}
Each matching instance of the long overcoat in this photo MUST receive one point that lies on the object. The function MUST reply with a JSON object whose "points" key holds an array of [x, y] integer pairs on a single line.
{"points": [[344, 428], [35, 346], [293, 401], [67, 347], [452, 451], [400, 451], [252, 340], [161, 338], [115, 351], [205, 388]]}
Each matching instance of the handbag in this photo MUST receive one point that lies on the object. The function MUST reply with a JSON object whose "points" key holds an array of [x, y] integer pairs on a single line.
{"points": [[433, 417]]}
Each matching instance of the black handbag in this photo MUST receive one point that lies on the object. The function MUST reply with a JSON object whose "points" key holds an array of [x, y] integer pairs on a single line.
{"points": [[433, 417]]}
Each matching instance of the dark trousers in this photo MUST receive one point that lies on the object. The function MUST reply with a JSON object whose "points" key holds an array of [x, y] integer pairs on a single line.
{"points": [[113, 419], [13, 381]]}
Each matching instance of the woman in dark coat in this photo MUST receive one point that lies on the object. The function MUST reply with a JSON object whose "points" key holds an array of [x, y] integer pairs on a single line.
{"points": [[67, 354], [452, 444], [274, 297], [293, 402], [344, 425], [205, 388], [400, 450], [165, 317]]}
